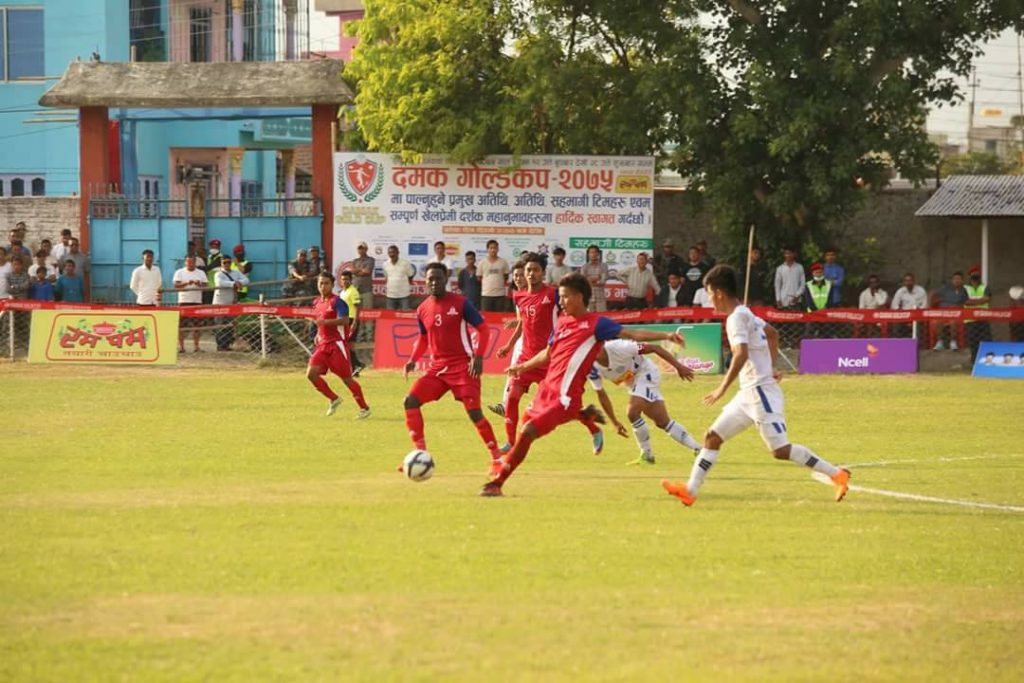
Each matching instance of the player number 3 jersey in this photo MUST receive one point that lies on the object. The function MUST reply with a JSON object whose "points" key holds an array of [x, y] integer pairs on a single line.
{"points": [[445, 322]]}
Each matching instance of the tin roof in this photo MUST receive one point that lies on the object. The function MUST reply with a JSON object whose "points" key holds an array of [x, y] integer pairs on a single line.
{"points": [[977, 196]]}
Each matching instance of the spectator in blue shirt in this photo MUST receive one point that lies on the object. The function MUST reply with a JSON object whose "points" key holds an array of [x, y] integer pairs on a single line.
{"points": [[70, 286], [40, 289], [469, 279], [835, 274]]}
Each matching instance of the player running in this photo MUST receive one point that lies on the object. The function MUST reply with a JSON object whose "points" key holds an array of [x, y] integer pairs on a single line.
{"points": [[755, 346], [515, 342], [455, 366], [577, 339], [332, 352], [625, 362]]}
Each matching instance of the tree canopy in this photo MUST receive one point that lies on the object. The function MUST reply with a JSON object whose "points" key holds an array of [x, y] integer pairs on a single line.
{"points": [[779, 113]]}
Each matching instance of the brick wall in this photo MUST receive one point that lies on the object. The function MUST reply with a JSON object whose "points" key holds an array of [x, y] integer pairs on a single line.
{"points": [[44, 217]]}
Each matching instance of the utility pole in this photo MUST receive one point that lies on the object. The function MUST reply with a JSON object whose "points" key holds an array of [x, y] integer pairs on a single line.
{"points": [[970, 109], [1020, 107]]}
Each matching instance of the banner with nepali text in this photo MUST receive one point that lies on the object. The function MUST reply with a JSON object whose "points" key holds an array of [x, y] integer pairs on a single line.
{"points": [[123, 336]]}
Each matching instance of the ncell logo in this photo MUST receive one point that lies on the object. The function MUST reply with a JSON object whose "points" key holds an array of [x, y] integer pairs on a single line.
{"points": [[360, 179]]}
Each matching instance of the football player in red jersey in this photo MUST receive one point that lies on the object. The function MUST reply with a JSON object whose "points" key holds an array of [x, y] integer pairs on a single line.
{"points": [[455, 365], [332, 351], [570, 354]]}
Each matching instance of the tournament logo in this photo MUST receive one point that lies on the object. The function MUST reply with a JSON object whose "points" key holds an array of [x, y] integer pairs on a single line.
{"points": [[360, 179]]}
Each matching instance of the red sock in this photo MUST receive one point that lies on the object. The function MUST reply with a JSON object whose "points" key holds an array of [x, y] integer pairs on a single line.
{"points": [[512, 413], [515, 457], [322, 386], [486, 432], [590, 425], [414, 422], [357, 392]]}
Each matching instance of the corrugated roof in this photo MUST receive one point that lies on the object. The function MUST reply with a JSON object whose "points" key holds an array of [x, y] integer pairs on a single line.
{"points": [[169, 85], [977, 196]]}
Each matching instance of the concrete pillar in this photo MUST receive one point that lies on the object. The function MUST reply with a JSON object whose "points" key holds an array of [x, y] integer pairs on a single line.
{"points": [[235, 155], [325, 116], [288, 162], [290, 9], [93, 163], [237, 32]]}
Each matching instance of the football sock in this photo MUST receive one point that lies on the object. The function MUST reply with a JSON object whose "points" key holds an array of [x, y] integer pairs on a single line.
{"points": [[515, 457], [643, 436], [357, 392], [591, 425], [321, 385], [803, 455], [486, 432], [512, 413], [679, 433], [414, 422], [701, 464]]}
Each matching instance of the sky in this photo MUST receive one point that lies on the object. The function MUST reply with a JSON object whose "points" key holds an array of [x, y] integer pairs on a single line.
{"points": [[997, 91]]}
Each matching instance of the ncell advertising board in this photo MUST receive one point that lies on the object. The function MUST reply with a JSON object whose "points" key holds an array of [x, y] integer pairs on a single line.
{"points": [[543, 203], [858, 356]]}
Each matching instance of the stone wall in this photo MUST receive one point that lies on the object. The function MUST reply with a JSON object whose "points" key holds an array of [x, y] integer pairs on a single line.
{"points": [[44, 217], [931, 248]]}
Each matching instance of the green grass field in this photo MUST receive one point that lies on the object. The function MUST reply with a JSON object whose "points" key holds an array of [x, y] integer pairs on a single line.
{"points": [[214, 525]]}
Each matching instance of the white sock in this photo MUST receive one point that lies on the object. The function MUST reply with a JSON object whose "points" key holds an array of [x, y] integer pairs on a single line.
{"points": [[679, 433], [643, 437], [802, 455], [701, 464]]}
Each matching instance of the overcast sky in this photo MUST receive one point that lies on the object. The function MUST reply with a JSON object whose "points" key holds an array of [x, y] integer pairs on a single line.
{"points": [[997, 93]]}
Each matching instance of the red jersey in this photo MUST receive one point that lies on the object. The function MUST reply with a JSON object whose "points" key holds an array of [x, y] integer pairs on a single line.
{"points": [[330, 308], [574, 346], [445, 323], [538, 313]]}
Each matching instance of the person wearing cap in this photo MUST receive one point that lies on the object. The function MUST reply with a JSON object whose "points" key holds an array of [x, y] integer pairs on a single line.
{"points": [[667, 262], [243, 266], [212, 266], [951, 295], [817, 296], [978, 296]]}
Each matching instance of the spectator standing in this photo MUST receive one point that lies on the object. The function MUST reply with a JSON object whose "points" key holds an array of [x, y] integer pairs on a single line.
{"points": [[693, 275], [557, 270], [789, 281], [707, 259], [243, 266], [190, 282], [18, 280], [40, 288], [228, 282], [666, 263], [213, 258], [60, 252], [951, 295], [299, 276], [494, 272], [817, 296], [441, 256], [362, 274], [978, 296], [1017, 329], [836, 275], [316, 266], [42, 261], [639, 280], [15, 246], [672, 293], [758, 294], [5, 268], [83, 264], [596, 272], [70, 285], [349, 293], [146, 281], [398, 281], [469, 280]]}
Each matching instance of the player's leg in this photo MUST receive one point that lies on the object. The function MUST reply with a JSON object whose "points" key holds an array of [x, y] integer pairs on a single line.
{"points": [[467, 390], [426, 389], [658, 412], [499, 408], [540, 419], [315, 372], [591, 418], [635, 413], [341, 365], [511, 410]]}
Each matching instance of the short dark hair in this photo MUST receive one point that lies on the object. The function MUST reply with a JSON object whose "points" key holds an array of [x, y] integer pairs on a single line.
{"points": [[873, 277], [490, 242], [832, 249], [148, 251], [71, 261], [347, 273], [41, 269], [789, 247], [519, 265], [441, 242], [722, 277], [65, 232], [577, 283], [593, 246], [470, 253], [532, 257], [558, 251], [436, 266], [326, 274], [958, 273]]}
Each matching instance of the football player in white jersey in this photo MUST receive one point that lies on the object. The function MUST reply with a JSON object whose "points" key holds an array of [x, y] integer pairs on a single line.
{"points": [[754, 345], [624, 362]]}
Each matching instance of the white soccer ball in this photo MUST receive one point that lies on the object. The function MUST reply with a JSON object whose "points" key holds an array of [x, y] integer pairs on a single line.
{"points": [[418, 465], [1017, 293]]}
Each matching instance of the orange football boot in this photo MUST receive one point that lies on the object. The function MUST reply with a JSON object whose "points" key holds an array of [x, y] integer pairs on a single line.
{"points": [[679, 490]]}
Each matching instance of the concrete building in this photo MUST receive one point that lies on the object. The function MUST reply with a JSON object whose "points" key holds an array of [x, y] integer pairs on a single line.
{"points": [[345, 11]]}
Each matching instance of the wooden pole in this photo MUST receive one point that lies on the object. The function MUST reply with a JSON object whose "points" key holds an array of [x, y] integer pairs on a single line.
{"points": [[750, 250]]}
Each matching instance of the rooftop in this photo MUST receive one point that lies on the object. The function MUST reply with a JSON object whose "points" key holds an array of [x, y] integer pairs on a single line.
{"points": [[977, 196]]}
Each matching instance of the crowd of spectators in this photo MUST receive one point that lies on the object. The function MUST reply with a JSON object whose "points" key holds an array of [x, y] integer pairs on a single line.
{"points": [[47, 273]]}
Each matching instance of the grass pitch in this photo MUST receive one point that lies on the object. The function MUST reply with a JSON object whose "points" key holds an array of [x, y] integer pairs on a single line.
{"points": [[214, 525]]}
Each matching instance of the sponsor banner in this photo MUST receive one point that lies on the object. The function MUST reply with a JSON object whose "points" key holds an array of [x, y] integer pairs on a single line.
{"points": [[703, 350], [395, 338], [1000, 359], [858, 356], [104, 336], [533, 203]]}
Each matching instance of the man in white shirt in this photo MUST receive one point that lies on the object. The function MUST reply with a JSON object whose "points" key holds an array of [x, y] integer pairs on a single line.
{"points": [[759, 402], [398, 281], [227, 282], [59, 253], [146, 281], [494, 272], [639, 279], [789, 280], [557, 270], [874, 297], [441, 256], [189, 281], [910, 295]]}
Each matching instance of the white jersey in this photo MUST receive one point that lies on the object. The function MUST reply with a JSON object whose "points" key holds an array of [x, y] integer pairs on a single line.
{"points": [[625, 363], [743, 327]]}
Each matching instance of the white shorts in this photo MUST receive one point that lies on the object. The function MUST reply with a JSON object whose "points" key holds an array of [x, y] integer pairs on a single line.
{"points": [[647, 385], [762, 406]]}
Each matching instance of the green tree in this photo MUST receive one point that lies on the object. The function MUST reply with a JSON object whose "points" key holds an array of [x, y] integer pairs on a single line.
{"points": [[973, 163], [783, 113]]}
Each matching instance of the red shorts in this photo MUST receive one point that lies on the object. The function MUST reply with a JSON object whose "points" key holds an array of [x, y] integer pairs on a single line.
{"points": [[546, 412], [333, 356], [436, 383], [527, 379]]}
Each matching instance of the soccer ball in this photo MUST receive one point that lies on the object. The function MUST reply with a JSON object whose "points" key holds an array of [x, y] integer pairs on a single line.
{"points": [[418, 465]]}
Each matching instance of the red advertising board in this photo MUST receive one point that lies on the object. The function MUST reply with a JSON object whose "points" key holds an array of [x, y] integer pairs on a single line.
{"points": [[396, 337]]}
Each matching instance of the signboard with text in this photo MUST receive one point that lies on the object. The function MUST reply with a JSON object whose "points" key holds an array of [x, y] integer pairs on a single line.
{"points": [[703, 350], [858, 356], [104, 336], [1000, 359], [542, 203]]}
